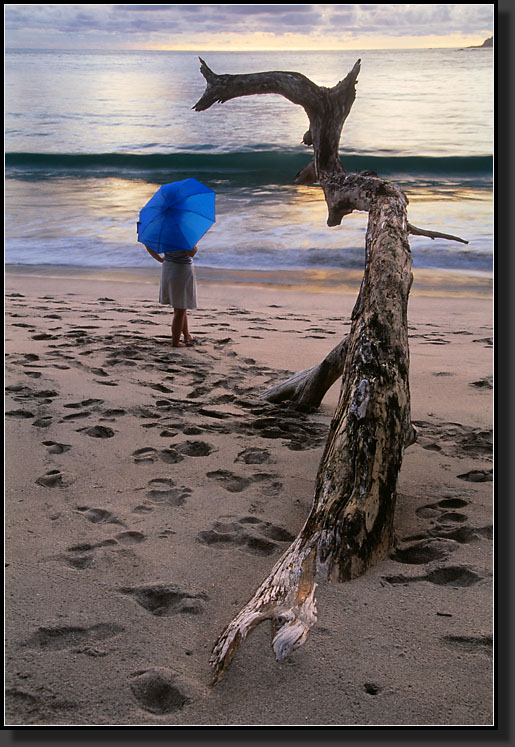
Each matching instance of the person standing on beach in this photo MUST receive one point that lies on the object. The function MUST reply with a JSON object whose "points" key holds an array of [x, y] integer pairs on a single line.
{"points": [[178, 289]]}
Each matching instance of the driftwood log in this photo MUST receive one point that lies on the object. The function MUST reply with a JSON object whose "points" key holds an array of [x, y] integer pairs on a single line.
{"points": [[350, 526]]}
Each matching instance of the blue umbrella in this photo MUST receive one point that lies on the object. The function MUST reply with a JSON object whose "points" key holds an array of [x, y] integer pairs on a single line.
{"points": [[177, 216]]}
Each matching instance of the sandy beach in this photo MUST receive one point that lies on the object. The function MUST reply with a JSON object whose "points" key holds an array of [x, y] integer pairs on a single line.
{"points": [[150, 490]]}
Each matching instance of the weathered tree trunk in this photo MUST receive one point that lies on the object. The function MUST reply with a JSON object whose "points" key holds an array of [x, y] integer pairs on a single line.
{"points": [[350, 526]]}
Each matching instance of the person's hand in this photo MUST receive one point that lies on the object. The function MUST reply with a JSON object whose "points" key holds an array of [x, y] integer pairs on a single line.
{"points": [[154, 254]]}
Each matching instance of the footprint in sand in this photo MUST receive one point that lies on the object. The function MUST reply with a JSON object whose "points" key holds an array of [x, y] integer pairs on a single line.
{"points": [[452, 517], [477, 475], [236, 483], [160, 691], [113, 413], [98, 431], [164, 490], [20, 414], [77, 416], [454, 439], [130, 537], [67, 637], [99, 372], [45, 336], [167, 599], [79, 562], [195, 448], [23, 707], [169, 407], [42, 422], [454, 576], [84, 403], [19, 389], [447, 503], [464, 535], [81, 556], [210, 412], [228, 480], [446, 521], [296, 429], [253, 455], [142, 509], [270, 486], [143, 413], [52, 479], [423, 552], [199, 391], [98, 515], [248, 533], [149, 455], [485, 383], [436, 509], [56, 448], [146, 455], [471, 644], [160, 388]]}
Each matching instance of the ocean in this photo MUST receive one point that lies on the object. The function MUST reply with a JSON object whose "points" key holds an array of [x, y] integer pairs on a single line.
{"points": [[91, 135]]}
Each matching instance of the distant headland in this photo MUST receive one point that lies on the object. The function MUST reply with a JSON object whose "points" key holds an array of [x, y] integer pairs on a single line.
{"points": [[487, 43]]}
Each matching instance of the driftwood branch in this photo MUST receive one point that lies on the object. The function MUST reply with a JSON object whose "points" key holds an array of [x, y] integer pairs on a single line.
{"points": [[309, 387], [433, 234], [327, 108], [350, 526], [286, 598], [221, 88]]}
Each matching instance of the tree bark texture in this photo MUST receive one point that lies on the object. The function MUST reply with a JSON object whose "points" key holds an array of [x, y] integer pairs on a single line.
{"points": [[350, 526]]}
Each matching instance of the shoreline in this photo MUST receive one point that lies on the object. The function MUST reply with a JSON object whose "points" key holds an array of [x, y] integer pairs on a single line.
{"points": [[433, 283]]}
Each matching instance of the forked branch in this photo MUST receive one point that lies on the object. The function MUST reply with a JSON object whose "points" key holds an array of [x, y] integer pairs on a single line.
{"points": [[327, 108]]}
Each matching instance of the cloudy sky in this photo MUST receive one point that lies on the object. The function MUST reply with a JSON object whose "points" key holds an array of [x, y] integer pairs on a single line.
{"points": [[248, 27]]}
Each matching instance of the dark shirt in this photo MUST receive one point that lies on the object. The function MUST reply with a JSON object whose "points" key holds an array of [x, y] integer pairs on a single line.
{"points": [[180, 258]]}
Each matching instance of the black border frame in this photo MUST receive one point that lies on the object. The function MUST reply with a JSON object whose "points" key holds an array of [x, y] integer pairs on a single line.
{"points": [[503, 731]]}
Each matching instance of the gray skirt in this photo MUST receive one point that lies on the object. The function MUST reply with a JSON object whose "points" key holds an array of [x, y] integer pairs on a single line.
{"points": [[178, 285]]}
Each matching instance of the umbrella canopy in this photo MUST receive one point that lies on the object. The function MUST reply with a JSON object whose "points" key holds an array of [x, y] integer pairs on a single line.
{"points": [[177, 216]]}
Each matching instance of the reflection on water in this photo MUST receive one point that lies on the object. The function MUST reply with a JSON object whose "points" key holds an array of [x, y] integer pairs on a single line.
{"points": [[93, 222], [75, 120]]}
